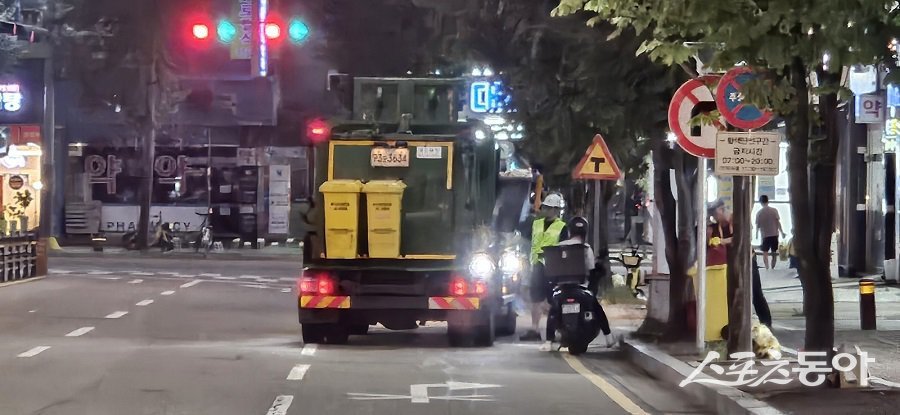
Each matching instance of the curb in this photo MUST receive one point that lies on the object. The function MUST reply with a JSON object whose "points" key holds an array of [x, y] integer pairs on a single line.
{"points": [[719, 399], [177, 255], [22, 281]]}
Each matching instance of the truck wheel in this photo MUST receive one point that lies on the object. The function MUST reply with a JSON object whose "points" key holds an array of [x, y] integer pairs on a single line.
{"points": [[577, 349], [313, 333], [508, 325], [359, 329], [337, 334], [487, 333]]}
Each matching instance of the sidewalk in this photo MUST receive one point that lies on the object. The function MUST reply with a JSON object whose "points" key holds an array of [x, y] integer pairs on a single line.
{"points": [[672, 363], [274, 253]]}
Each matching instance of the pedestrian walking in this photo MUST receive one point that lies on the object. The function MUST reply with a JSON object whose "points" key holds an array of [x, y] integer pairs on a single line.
{"points": [[768, 226]]}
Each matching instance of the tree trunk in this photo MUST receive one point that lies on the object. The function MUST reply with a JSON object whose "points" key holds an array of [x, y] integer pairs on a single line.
{"points": [[812, 206], [678, 229], [739, 282]]}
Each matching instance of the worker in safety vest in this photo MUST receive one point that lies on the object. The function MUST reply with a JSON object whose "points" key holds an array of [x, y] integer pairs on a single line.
{"points": [[546, 230]]}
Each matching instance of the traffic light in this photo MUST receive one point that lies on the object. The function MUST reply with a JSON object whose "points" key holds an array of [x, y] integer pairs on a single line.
{"points": [[298, 31], [272, 31], [226, 31], [200, 31]]}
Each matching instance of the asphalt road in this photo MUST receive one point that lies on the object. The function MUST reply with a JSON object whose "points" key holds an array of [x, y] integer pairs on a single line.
{"points": [[141, 337]]}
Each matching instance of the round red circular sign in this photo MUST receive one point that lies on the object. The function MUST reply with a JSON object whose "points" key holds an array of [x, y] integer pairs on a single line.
{"points": [[16, 182], [730, 101], [681, 110]]}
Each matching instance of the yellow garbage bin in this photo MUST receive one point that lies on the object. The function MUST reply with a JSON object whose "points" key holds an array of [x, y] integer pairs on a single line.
{"points": [[383, 203], [341, 217], [716, 300]]}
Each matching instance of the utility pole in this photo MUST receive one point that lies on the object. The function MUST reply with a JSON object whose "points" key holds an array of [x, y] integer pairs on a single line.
{"points": [[148, 149]]}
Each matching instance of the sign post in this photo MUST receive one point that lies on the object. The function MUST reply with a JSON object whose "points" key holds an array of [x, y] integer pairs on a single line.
{"points": [[692, 98], [597, 164]]}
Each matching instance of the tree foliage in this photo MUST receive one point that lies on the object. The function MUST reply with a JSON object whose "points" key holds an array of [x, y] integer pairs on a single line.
{"points": [[799, 47]]}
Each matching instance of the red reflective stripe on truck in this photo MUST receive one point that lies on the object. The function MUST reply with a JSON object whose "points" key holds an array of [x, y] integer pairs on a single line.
{"points": [[453, 303]]}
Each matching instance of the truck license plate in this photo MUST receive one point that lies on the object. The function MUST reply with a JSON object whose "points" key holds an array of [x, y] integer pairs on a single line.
{"points": [[571, 308], [390, 157]]}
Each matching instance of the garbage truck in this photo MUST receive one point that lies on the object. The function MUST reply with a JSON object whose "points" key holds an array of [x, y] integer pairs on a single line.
{"points": [[413, 219]]}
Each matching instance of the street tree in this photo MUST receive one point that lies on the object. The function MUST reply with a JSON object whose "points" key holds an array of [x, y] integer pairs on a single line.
{"points": [[798, 48]]}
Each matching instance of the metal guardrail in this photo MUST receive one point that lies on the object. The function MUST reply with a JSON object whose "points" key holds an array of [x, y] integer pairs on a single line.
{"points": [[18, 257]]}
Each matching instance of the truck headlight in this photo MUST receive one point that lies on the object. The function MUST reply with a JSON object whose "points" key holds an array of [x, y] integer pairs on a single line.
{"points": [[510, 263], [481, 265]]}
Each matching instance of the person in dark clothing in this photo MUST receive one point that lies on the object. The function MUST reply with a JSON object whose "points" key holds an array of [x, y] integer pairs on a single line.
{"points": [[759, 299]]}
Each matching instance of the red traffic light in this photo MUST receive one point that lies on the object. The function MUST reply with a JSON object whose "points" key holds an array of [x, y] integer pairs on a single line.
{"points": [[200, 31], [318, 130], [272, 31]]}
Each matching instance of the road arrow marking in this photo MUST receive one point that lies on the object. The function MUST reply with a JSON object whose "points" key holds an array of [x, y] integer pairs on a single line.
{"points": [[419, 393]]}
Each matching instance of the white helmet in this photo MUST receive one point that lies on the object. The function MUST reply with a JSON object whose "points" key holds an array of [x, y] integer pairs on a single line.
{"points": [[553, 200]]}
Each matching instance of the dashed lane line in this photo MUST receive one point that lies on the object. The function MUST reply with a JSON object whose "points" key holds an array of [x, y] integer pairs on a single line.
{"points": [[167, 292], [144, 303], [136, 281], [298, 372], [191, 284], [117, 314], [34, 351], [142, 274], [308, 350], [210, 275], [617, 396], [99, 272], [225, 278], [281, 405], [80, 332], [250, 277]]}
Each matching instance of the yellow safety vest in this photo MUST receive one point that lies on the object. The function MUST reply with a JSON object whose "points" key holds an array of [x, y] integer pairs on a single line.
{"points": [[541, 239]]}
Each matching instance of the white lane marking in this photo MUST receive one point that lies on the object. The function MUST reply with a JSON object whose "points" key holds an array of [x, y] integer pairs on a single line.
{"points": [[249, 277], [110, 278], [32, 311], [141, 273], [143, 303], [281, 405], [210, 275], [286, 290], [617, 396], [80, 332], [60, 271], [191, 284], [309, 350], [34, 351], [185, 275], [266, 280], [287, 279], [137, 281], [99, 272], [167, 293], [226, 278], [254, 286], [298, 372], [117, 314], [168, 273]]}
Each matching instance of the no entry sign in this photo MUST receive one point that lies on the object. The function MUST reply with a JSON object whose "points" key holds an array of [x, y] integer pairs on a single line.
{"points": [[692, 98], [730, 101]]}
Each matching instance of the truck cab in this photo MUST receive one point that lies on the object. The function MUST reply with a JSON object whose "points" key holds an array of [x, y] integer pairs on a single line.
{"points": [[407, 227]]}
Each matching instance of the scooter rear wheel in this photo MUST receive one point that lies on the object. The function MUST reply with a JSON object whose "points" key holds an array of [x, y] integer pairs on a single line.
{"points": [[577, 349]]}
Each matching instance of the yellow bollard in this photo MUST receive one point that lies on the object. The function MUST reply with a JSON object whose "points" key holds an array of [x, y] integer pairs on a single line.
{"points": [[867, 304]]}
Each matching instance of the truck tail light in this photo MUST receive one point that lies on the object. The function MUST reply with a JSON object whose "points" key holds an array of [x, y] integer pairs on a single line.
{"points": [[458, 286], [479, 288], [317, 284]]}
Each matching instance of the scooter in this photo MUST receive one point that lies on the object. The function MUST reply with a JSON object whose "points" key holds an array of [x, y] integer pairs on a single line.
{"points": [[574, 309], [161, 233]]}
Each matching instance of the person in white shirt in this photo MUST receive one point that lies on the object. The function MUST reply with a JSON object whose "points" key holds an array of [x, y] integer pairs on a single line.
{"points": [[578, 229]]}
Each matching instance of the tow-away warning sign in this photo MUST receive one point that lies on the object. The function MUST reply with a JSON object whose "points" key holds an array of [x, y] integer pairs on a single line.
{"points": [[597, 163]]}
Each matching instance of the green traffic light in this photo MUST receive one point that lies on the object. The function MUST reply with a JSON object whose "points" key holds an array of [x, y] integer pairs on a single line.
{"points": [[226, 31], [298, 31]]}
